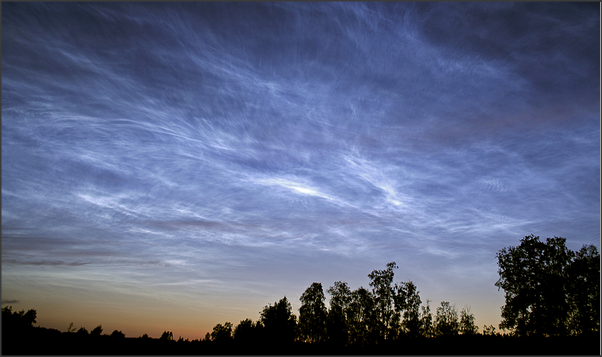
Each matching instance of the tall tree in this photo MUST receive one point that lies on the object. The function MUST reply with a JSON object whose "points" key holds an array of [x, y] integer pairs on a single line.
{"points": [[547, 288], [279, 322], [383, 292], [337, 322], [312, 314], [426, 320], [408, 302], [361, 317], [584, 291], [446, 320], [467, 322]]}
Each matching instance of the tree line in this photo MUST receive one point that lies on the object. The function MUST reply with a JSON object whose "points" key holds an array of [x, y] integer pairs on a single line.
{"points": [[386, 311], [550, 291]]}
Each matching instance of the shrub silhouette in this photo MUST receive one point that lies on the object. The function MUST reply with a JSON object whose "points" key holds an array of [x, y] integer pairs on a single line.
{"points": [[166, 336], [117, 334], [96, 331]]}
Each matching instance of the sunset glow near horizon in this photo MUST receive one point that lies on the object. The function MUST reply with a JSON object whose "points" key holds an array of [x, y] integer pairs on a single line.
{"points": [[171, 166]]}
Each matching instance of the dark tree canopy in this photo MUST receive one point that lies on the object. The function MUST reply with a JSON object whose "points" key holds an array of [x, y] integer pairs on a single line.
{"points": [[312, 314], [337, 325], [408, 301], [446, 320], [383, 293], [467, 322], [361, 317], [18, 320], [387, 312], [247, 331], [279, 322], [427, 328], [584, 291], [222, 333], [549, 289]]}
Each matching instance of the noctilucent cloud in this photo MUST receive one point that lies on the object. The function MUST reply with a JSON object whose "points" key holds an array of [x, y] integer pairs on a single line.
{"points": [[171, 166]]}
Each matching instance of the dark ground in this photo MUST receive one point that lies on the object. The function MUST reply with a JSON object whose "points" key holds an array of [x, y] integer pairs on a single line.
{"points": [[41, 341]]}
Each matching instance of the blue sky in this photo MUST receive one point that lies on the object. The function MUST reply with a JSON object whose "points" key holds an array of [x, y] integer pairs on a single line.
{"points": [[171, 166]]}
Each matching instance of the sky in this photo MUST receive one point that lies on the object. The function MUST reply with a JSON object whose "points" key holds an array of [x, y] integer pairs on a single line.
{"points": [[171, 166]]}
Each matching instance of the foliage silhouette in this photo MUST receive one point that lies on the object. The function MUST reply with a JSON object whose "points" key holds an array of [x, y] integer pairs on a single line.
{"points": [[279, 322], [117, 334], [247, 332], [166, 336], [584, 291], [18, 320], [427, 328], [222, 333], [384, 296], [467, 322], [446, 320], [489, 330], [361, 318], [96, 331], [549, 289], [337, 327], [409, 304], [312, 314]]}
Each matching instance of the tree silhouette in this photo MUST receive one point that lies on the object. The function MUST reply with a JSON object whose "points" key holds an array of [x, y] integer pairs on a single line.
{"points": [[547, 288], [82, 331], [336, 324], [584, 291], [446, 320], [383, 293], [222, 333], [18, 320], [408, 301], [247, 331], [361, 317], [279, 322], [467, 322], [426, 320], [312, 314]]}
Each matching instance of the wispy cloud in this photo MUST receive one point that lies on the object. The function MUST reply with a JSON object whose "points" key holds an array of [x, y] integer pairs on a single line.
{"points": [[200, 146]]}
